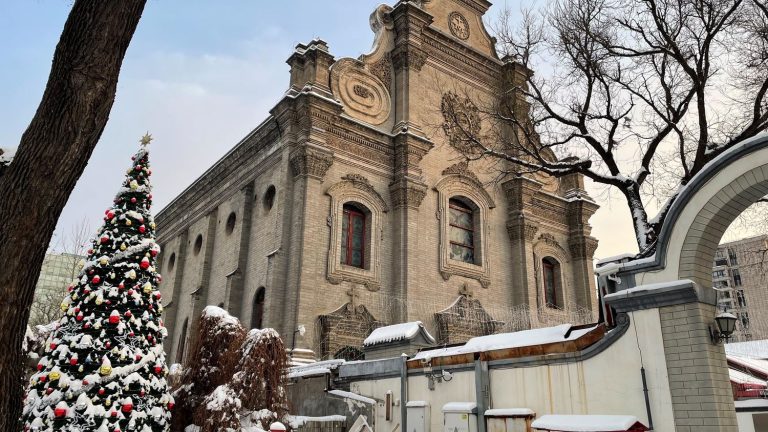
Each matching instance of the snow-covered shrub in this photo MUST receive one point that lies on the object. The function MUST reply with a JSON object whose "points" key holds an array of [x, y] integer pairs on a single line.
{"points": [[234, 381]]}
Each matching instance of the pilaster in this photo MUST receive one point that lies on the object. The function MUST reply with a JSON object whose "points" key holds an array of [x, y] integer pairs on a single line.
{"points": [[521, 229], [582, 248], [200, 295], [236, 302], [172, 311]]}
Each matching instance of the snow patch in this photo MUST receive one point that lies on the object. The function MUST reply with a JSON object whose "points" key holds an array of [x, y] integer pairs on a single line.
{"points": [[396, 332], [352, 396], [585, 423], [296, 422], [460, 407], [6, 155], [510, 412], [523, 338]]}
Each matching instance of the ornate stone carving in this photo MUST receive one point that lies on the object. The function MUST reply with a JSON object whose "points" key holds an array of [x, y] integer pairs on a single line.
{"points": [[347, 326], [520, 229], [407, 193], [363, 96], [462, 169], [461, 122], [382, 69], [459, 25], [582, 246], [550, 241], [311, 161], [464, 319], [409, 58]]}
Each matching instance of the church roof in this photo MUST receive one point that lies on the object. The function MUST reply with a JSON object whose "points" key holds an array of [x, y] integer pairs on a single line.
{"points": [[398, 332]]}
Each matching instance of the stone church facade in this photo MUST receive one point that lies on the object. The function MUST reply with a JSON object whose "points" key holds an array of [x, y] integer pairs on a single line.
{"points": [[349, 208]]}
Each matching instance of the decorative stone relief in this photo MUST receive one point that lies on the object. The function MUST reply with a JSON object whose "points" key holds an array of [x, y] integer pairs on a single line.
{"points": [[551, 242], [459, 25], [407, 193], [382, 69], [356, 188], [409, 58], [464, 319], [311, 161], [461, 121], [462, 169], [362, 94], [347, 326]]}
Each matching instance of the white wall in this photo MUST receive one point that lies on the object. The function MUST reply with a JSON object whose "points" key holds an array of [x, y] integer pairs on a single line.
{"points": [[608, 383]]}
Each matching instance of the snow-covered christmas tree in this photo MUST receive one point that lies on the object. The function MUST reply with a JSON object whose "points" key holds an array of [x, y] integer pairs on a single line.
{"points": [[104, 367]]}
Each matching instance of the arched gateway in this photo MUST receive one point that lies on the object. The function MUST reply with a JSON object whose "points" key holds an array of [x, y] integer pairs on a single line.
{"points": [[677, 280]]}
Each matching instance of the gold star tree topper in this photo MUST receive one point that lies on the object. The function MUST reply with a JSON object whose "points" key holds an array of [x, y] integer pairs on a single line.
{"points": [[146, 139]]}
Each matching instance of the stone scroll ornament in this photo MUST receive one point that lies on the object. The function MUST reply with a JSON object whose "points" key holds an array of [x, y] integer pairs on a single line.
{"points": [[461, 122], [362, 94], [104, 367]]}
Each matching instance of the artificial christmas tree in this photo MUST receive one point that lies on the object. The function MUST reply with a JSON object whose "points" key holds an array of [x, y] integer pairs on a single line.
{"points": [[104, 367]]}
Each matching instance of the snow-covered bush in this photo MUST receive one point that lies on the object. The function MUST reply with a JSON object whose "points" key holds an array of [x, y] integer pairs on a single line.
{"points": [[234, 381]]}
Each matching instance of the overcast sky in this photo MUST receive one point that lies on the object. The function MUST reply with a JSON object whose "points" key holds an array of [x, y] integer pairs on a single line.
{"points": [[198, 76]]}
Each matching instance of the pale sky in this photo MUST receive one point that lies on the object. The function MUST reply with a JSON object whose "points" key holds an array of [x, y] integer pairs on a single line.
{"points": [[198, 76]]}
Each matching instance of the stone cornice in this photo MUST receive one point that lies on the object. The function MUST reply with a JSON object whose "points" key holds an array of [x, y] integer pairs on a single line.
{"points": [[229, 169], [460, 57]]}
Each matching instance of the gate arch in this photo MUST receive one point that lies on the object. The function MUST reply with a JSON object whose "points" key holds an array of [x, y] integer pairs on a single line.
{"points": [[700, 215]]}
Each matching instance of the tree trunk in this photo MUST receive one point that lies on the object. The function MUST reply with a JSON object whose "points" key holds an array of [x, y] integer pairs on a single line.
{"points": [[52, 155]]}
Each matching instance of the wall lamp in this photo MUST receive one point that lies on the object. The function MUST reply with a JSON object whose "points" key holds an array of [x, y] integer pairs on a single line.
{"points": [[725, 324]]}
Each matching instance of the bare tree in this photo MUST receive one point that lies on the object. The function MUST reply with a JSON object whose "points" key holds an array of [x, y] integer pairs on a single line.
{"points": [[637, 95], [68, 250], [51, 156]]}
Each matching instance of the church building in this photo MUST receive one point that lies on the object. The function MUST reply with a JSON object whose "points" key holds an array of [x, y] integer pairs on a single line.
{"points": [[349, 209]]}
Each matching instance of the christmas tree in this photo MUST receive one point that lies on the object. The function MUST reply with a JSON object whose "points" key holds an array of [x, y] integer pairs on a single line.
{"points": [[104, 367]]}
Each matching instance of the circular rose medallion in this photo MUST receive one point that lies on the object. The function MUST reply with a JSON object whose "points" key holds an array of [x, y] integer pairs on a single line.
{"points": [[458, 25]]}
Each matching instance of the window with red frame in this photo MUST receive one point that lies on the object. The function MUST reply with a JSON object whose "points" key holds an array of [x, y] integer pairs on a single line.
{"points": [[462, 231], [353, 236]]}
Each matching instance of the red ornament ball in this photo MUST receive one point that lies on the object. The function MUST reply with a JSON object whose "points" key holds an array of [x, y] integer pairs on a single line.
{"points": [[158, 369], [113, 319], [133, 200], [144, 264], [153, 252], [96, 279], [127, 407], [39, 366], [101, 391], [121, 285], [142, 229], [49, 390], [104, 239], [170, 405], [73, 361], [60, 412], [110, 214]]}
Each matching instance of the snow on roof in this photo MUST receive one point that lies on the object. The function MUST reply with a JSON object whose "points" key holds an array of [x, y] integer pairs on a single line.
{"points": [[740, 377], [754, 349], [752, 403], [460, 407], [585, 423], [316, 368], [397, 332], [298, 421], [660, 286], [509, 412], [756, 365], [609, 259], [352, 396], [532, 337], [416, 404]]}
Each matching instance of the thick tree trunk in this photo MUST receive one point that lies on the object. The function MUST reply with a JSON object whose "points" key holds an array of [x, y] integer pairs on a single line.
{"points": [[51, 157]]}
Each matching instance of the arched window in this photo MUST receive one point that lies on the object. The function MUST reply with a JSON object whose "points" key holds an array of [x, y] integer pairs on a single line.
{"points": [[182, 345], [353, 236], [257, 312], [553, 293], [461, 218]]}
